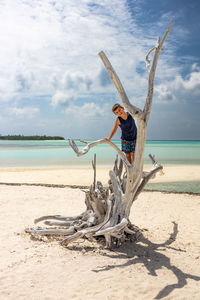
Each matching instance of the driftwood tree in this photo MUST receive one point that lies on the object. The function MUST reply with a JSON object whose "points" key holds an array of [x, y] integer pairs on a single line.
{"points": [[108, 209]]}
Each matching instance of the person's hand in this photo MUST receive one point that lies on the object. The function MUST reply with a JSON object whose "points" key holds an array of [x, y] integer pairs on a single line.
{"points": [[107, 139]]}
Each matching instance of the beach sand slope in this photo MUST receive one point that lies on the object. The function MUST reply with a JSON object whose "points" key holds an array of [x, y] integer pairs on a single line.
{"points": [[84, 176]]}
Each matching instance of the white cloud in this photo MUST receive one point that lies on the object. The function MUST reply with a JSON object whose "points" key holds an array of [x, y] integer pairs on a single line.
{"points": [[91, 120], [163, 93], [62, 97], [49, 50], [44, 43], [191, 82], [195, 67], [180, 89], [24, 112], [70, 87], [88, 111]]}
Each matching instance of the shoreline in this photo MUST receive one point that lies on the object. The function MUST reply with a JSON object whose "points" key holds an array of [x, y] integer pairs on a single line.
{"points": [[171, 172], [87, 187], [176, 178]]}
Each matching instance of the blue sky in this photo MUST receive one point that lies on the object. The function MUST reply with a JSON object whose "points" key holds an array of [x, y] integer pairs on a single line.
{"points": [[53, 82]]}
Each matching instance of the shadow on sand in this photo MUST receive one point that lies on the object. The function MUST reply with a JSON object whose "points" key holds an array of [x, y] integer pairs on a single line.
{"points": [[147, 253]]}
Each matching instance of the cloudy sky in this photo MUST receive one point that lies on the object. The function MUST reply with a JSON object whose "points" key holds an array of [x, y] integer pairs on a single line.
{"points": [[53, 82]]}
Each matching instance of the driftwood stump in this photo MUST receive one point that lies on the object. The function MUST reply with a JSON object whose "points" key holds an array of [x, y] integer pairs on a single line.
{"points": [[108, 209]]}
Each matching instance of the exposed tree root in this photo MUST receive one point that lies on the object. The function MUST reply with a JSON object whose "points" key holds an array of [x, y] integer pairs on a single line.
{"points": [[104, 215]]}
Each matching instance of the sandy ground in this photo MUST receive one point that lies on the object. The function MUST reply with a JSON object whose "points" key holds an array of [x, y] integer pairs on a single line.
{"points": [[164, 263], [84, 176]]}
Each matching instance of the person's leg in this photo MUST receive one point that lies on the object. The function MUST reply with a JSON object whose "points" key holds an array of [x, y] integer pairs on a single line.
{"points": [[132, 157], [128, 156], [132, 150]]}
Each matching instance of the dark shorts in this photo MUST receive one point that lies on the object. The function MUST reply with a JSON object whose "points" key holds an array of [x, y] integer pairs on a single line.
{"points": [[128, 146]]}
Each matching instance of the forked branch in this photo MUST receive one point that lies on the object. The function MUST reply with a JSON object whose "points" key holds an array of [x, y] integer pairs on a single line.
{"points": [[134, 111], [98, 142]]}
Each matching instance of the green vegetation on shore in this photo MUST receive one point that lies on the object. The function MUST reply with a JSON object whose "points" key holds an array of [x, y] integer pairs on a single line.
{"points": [[31, 137]]}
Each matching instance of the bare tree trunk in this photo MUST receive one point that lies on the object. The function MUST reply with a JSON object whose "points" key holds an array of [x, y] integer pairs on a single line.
{"points": [[108, 209]]}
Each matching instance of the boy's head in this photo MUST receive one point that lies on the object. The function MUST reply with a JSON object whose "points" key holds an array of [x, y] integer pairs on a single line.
{"points": [[117, 109]]}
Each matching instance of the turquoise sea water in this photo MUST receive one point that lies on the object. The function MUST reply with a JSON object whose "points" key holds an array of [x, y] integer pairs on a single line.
{"points": [[58, 154]]}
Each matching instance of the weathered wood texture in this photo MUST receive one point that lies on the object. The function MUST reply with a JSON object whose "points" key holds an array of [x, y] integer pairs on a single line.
{"points": [[108, 208]]}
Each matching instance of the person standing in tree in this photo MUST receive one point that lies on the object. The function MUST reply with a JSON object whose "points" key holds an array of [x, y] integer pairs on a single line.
{"points": [[129, 131]]}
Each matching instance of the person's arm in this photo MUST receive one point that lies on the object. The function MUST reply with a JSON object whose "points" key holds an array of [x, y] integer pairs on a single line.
{"points": [[113, 130]]}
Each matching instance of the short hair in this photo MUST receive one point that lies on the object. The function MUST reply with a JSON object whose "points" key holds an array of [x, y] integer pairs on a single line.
{"points": [[116, 106]]}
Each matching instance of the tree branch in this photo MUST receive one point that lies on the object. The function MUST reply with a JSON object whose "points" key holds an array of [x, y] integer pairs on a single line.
{"points": [[157, 49], [149, 175], [165, 36], [67, 231], [94, 168], [98, 142], [134, 111], [58, 217], [113, 229], [146, 179], [148, 60]]}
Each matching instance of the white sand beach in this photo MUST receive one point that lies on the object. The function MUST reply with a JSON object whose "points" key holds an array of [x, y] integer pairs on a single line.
{"points": [[163, 264], [84, 176]]}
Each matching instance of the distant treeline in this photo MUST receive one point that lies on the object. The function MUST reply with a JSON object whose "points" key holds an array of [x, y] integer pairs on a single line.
{"points": [[31, 137]]}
